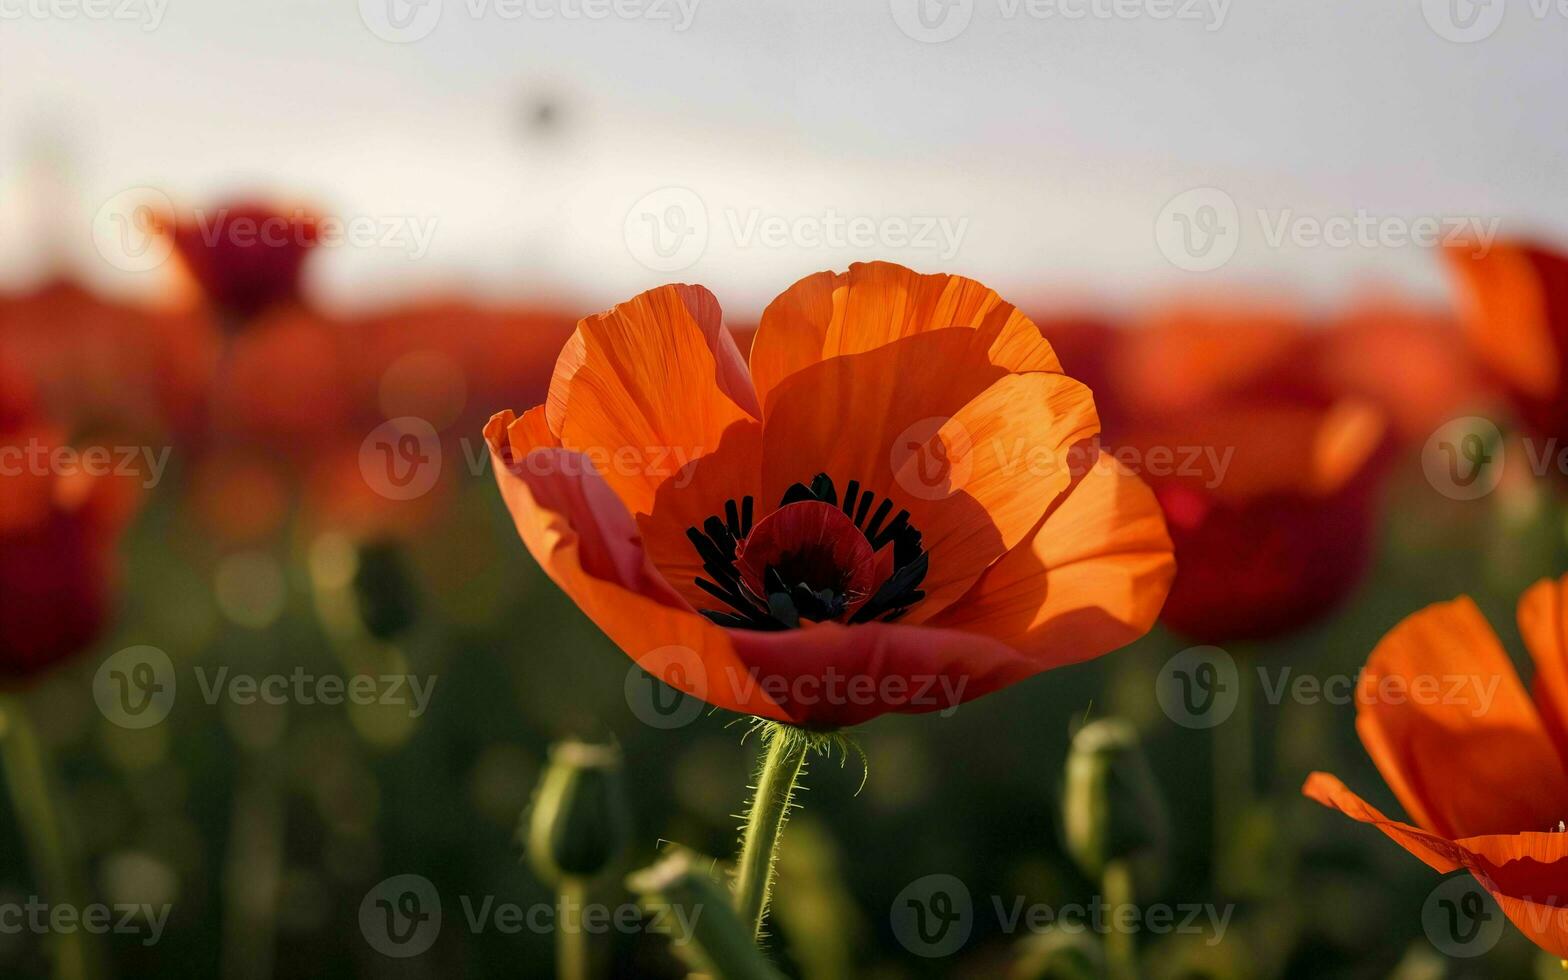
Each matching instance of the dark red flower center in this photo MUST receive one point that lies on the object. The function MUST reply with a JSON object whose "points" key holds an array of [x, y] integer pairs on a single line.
{"points": [[815, 558]]}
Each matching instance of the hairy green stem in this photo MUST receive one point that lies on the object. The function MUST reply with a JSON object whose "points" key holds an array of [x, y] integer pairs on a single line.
{"points": [[51, 840], [781, 767]]}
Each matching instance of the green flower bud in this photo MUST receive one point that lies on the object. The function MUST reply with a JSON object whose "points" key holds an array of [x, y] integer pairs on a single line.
{"points": [[578, 823], [1111, 807], [696, 912]]}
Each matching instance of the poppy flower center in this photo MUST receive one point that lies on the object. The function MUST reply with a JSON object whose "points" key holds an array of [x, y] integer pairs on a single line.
{"points": [[815, 558]]}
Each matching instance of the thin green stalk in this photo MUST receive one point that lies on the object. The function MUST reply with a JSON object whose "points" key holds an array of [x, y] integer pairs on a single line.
{"points": [[51, 841], [571, 943], [1234, 789], [781, 767], [1121, 945]]}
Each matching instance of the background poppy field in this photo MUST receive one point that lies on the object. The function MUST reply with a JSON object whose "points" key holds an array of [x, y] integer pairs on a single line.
{"points": [[272, 655]]}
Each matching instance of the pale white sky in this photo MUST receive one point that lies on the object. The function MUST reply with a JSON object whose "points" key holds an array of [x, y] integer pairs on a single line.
{"points": [[1037, 148]]}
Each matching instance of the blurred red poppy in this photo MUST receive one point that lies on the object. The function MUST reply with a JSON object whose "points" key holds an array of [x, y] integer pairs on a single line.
{"points": [[1513, 303], [245, 256], [60, 517], [104, 366], [1266, 476]]}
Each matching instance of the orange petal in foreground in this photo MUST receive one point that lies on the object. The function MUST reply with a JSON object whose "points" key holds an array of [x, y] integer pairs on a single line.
{"points": [[1475, 760]]}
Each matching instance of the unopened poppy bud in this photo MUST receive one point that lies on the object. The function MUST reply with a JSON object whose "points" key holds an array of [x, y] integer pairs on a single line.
{"points": [[578, 823], [696, 912], [1111, 805], [1059, 955], [384, 592]]}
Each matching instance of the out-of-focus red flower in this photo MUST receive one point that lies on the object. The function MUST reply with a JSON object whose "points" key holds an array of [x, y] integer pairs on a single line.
{"points": [[1267, 477], [300, 401], [245, 256], [59, 521], [1513, 303], [103, 366], [1411, 360]]}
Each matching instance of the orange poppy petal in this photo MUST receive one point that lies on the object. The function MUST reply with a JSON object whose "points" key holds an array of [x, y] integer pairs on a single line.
{"points": [[1089, 579], [584, 539], [1449, 725], [1525, 873], [1008, 454], [1439, 853], [929, 423], [823, 676], [696, 492], [1508, 299], [828, 675], [832, 314], [1545, 635], [1519, 870], [655, 375]]}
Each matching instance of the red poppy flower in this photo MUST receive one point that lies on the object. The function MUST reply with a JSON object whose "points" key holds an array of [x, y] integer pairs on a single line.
{"points": [[876, 516], [246, 257], [100, 365], [1267, 478], [1482, 776], [58, 526], [1513, 302]]}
